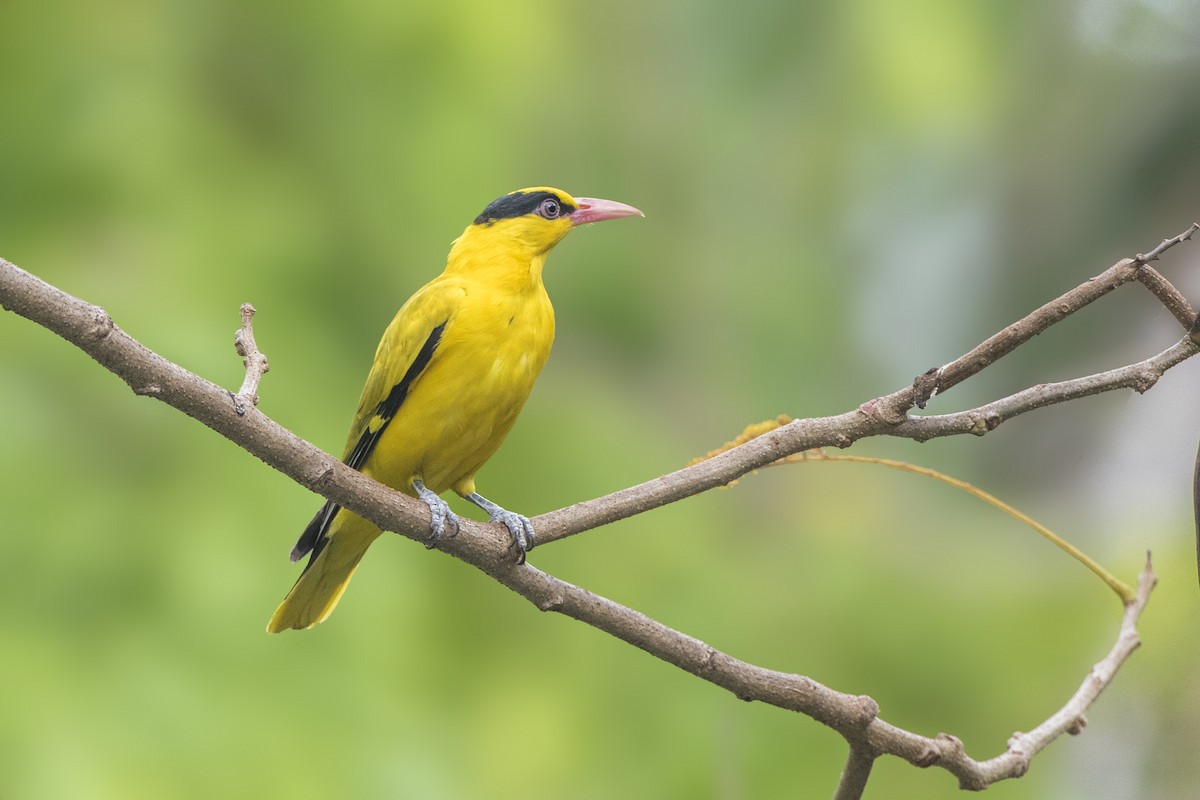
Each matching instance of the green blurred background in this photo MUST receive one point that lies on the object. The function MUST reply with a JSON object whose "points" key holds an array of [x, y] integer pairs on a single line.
{"points": [[837, 195]]}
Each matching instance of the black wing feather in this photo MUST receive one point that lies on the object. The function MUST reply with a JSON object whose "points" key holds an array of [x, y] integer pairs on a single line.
{"points": [[315, 533]]}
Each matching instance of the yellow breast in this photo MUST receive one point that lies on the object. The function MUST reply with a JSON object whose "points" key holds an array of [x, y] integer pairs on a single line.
{"points": [[493, 347]]}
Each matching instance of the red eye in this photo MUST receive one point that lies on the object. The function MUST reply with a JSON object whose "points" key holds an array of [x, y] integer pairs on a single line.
{"points": [[550, 209]]}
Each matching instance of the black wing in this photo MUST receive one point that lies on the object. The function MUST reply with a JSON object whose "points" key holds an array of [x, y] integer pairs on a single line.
{"points": [[314, 536]]}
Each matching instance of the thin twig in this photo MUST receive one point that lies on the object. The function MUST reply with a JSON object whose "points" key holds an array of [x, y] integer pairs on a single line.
{"points": [[1018, 333], [1013, 336], [1139, 377], [1118, 586], [1072, 717], [1167, 244], [1196, 508], [253, 358]]}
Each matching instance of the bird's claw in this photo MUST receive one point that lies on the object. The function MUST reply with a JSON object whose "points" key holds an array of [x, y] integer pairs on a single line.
{"points": [[442, 521], [519, 528]]}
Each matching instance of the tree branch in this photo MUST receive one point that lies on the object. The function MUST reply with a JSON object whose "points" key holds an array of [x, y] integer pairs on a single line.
{"points": [[856, 773], [92, 330], [486, 546], [1168, 295], [1140, 377], [889, 415]]}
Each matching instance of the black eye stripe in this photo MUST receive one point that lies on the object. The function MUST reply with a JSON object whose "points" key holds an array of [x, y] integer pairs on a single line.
{"points": [[518, 204]]}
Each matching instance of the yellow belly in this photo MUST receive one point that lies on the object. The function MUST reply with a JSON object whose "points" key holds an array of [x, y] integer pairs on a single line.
{"points": [[466, 401]]}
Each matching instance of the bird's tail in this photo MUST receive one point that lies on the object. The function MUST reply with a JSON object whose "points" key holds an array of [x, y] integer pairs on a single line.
{"points": [[319, 588]]}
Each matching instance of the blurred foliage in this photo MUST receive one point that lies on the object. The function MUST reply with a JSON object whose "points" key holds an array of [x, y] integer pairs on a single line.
{"points": [[838, 196]]}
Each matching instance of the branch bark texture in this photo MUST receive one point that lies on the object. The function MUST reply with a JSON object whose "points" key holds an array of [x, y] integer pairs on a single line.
{"points": [[486, 546]]}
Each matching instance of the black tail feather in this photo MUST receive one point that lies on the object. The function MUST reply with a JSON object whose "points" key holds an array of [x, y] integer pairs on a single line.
{"points": [[313, 538]]}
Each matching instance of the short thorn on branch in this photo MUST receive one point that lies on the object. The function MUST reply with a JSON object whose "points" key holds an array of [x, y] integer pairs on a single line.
{"points": [[253, 358]]}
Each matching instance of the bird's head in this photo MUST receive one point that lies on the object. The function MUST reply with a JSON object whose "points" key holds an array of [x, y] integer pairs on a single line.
{"points": [[534, 220]]}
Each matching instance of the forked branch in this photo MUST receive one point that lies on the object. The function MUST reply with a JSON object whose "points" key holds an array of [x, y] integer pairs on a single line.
{"points": [[486, 546], [890, 415]]}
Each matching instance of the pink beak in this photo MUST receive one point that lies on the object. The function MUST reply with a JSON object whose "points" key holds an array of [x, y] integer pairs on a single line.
{"points": [[592, 210]]}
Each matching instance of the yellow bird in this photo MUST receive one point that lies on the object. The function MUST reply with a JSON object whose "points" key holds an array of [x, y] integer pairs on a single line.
{"points": [[450, 375]]}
